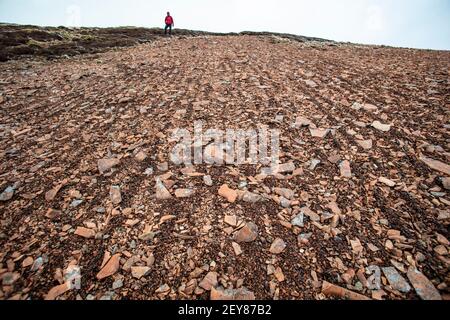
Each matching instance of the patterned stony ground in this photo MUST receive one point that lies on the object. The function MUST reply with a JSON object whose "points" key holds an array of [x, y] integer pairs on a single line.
{"points": [[64, 218]]}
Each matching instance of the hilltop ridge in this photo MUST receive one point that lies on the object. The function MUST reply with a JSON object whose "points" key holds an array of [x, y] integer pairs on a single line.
{"points": [[53, 42]]}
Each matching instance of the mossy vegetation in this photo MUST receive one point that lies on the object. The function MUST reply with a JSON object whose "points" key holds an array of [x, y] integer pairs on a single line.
{"points": [[53, 42]]}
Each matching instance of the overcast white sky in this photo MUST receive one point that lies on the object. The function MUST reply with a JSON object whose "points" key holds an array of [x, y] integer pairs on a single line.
{"points": [[407, 23]]}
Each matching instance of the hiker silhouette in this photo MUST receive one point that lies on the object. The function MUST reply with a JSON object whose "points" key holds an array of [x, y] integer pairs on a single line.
{"points": [[169, 24]]}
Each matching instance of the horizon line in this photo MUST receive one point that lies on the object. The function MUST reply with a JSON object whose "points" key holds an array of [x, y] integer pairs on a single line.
{"points": [[231, 33]]}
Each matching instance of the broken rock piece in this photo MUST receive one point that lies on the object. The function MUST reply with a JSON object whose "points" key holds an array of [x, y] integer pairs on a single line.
{"points": [[251, 197], [57, 291], [221, 294], [139, 272], [248, 233], [51, 194], [380, 126], [346, 171], [277, 246], [436, 165], [161, 191], [339, 292], [356, 246], [207, 180], [319, 133], [387, 182], [115, 195], [311, 83], [141, 156], [209, 281], [105, 165], [284, 192], [7, 194], [365, 144], [396, 281], [110, 268], [237, 248], [85, 232], [424, 288], [229, 194], [310, 214], [184, 193], [231, 220], [302, 122], [298, 220]]}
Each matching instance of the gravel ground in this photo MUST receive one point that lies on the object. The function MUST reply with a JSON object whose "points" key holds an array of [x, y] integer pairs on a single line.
{"points": [[372, 195]]}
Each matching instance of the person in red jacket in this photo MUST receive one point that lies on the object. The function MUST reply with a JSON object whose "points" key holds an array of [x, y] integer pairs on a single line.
{"points": [[169, 23]]}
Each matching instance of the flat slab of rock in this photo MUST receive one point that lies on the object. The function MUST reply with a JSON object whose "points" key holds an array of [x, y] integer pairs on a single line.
{"points": [[285, 203], [298, 220], [231, 220], [277, 246], [311, 83], [436, 165], [237, 248], [105, 165], [357, 248], [251, 197], [333, 206], [228, 193], [248, 233], [115, 195], [57, 291], [280, 168], [346, 171], [110, 268], [141, 156], [284, 192], [446, 183], [85, 232], [139, 272], [241, 294], [356, 106], [396, 281], [370, 107], [209, 281], [207, 181], [310, 214], [51, 194], [319, 133], [286, 167], [365, 144], [161, 191], [380, 126], [332, 290], [7, 194], [184, 193], [302, 122], [424, 288], [387, 182]]}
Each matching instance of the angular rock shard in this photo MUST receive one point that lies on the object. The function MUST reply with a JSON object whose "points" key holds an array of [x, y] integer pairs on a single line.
{"points": [[424, 288], [110, 268]]}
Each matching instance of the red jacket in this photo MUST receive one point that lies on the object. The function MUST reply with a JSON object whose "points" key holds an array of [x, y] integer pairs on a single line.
{"points": [[169, 20]]}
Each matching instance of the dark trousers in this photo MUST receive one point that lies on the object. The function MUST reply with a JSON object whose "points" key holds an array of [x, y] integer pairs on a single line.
{"points": [[168, 26]]}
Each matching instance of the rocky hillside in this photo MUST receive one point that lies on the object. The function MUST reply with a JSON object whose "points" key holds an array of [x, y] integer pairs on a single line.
{"points": [[91, 207]]}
